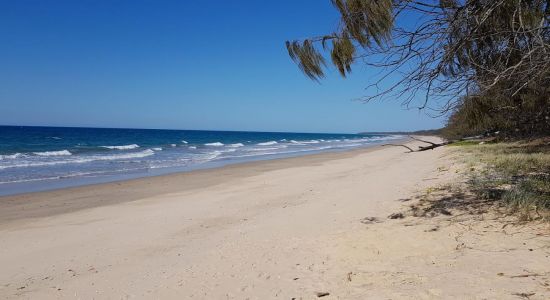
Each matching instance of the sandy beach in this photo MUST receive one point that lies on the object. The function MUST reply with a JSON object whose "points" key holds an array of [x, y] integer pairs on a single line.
{"points": [[308, 227]]}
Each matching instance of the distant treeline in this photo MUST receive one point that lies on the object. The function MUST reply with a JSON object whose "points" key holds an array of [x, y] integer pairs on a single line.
{"points": [[437, 132], [524, 115]]}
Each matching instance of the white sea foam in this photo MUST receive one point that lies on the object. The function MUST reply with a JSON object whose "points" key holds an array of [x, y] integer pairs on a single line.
{"points": [[29, 180], [212, 155], [54, 153], [69, 175], [124, 147], [10, 156], [216, 144], [349, 145], [208, 156], [173, 145], [157, 149], [55, 137], [278, 152], [374, 139], [140, 154], [263, 149], [80, 160], [237, 145], [382, 138], [182, 162], [304, 142], [267, 143], [267, 148], [184, 142], [192, 147]]}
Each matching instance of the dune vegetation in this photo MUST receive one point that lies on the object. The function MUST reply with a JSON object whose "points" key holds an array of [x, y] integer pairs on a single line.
{"points": [[514, 175]]}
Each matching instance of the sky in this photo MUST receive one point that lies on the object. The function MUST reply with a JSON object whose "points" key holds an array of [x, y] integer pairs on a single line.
{"points": [[211, 65]]}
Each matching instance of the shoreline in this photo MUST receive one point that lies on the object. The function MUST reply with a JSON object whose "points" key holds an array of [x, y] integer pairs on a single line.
{"points": [[35, 186], [69, 199]]}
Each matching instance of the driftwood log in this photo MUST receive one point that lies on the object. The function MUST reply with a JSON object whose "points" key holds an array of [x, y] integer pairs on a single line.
{"points": [[420, 148]]}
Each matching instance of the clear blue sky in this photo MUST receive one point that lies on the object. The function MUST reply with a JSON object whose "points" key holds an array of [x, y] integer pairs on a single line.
{"points": [[178, 64]]}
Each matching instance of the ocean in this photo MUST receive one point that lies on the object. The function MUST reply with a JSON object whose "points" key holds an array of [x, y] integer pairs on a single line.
{"points": [[43, 158]]}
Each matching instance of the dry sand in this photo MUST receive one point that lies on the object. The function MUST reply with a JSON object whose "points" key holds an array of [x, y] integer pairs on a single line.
{"points": [[288, 228]]}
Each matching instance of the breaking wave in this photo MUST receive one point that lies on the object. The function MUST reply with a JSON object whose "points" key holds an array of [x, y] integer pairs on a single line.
{"points": [[235, 145], [124, 147], [216, 144], [267, 143], [54, 153]]}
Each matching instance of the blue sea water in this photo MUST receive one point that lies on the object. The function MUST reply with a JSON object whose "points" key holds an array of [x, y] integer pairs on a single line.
{"points": [[41, 158]]}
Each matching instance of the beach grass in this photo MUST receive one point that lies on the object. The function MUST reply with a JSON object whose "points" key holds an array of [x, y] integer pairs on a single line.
{"points": [[517, 175], [464, 143]]}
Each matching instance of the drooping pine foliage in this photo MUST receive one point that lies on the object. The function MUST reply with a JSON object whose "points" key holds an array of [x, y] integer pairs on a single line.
{"points": [[487, 61], [363, 22]]}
